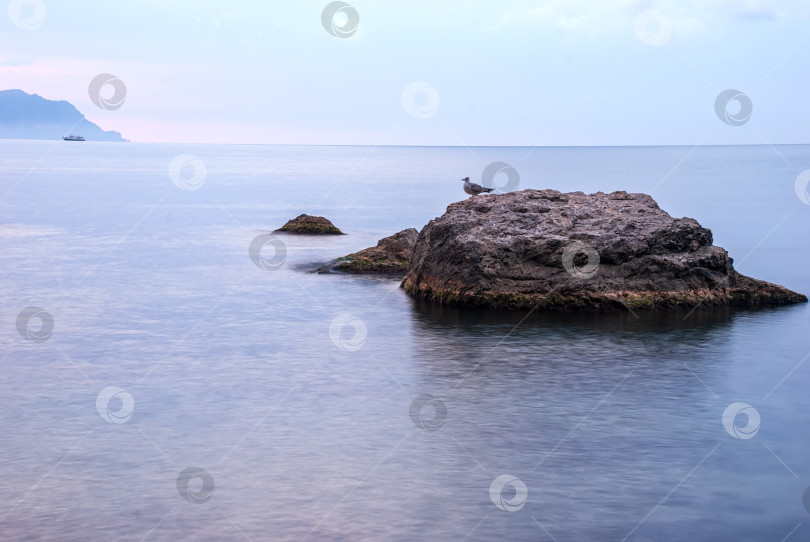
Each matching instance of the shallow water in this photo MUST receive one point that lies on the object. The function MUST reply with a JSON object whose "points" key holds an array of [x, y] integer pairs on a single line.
{"points": [[613, 422]]}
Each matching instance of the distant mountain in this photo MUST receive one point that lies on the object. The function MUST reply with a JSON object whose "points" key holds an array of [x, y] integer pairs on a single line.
{"points": [[29, 116]]}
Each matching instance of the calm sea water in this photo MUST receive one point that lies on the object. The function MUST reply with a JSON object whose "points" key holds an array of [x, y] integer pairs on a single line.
{"points": [[171, 349]]}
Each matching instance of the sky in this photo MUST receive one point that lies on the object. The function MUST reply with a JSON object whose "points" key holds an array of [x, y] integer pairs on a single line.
{"points": [[450, 72]]}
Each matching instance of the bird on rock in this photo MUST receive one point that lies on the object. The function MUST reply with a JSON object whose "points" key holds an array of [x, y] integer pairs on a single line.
{"points": [[474, 189]]}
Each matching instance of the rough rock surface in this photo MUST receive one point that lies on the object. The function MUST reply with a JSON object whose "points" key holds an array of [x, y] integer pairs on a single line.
{"points": [[391, 256], [559, 250], [312, 225]]}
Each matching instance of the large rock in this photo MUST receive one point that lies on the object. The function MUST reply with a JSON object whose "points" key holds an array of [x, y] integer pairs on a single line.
{"points": [[553, 250], [312, 225], [391, 256]]}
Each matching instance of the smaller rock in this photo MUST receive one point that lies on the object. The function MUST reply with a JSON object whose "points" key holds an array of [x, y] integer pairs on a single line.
{"points": [[310, 225], [391, 256]]}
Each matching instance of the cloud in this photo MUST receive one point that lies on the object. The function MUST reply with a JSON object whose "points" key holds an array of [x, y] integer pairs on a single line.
{"points": [[19, 60], [594, 19], [754, 10], [578, 17]]}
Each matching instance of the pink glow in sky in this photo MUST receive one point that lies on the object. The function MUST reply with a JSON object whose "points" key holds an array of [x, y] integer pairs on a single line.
{"points": [[540, 73]]}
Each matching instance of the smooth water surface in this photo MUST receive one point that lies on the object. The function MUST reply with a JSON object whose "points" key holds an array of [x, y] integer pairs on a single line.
{"points": [[612, 422]]}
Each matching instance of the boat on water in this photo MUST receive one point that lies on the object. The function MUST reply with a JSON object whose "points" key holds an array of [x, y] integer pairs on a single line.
{"points": [[73, 138]]}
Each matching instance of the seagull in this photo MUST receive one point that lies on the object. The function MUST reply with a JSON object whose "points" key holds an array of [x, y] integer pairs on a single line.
{"points": [[474, 189]]}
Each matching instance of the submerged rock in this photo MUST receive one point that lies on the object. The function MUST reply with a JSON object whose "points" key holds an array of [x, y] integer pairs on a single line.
{"points": [[552, 250], [311, 225], [391, 256]]}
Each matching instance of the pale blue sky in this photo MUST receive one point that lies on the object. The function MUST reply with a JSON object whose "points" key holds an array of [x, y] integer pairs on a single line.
{"points": [[552, 72]]}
